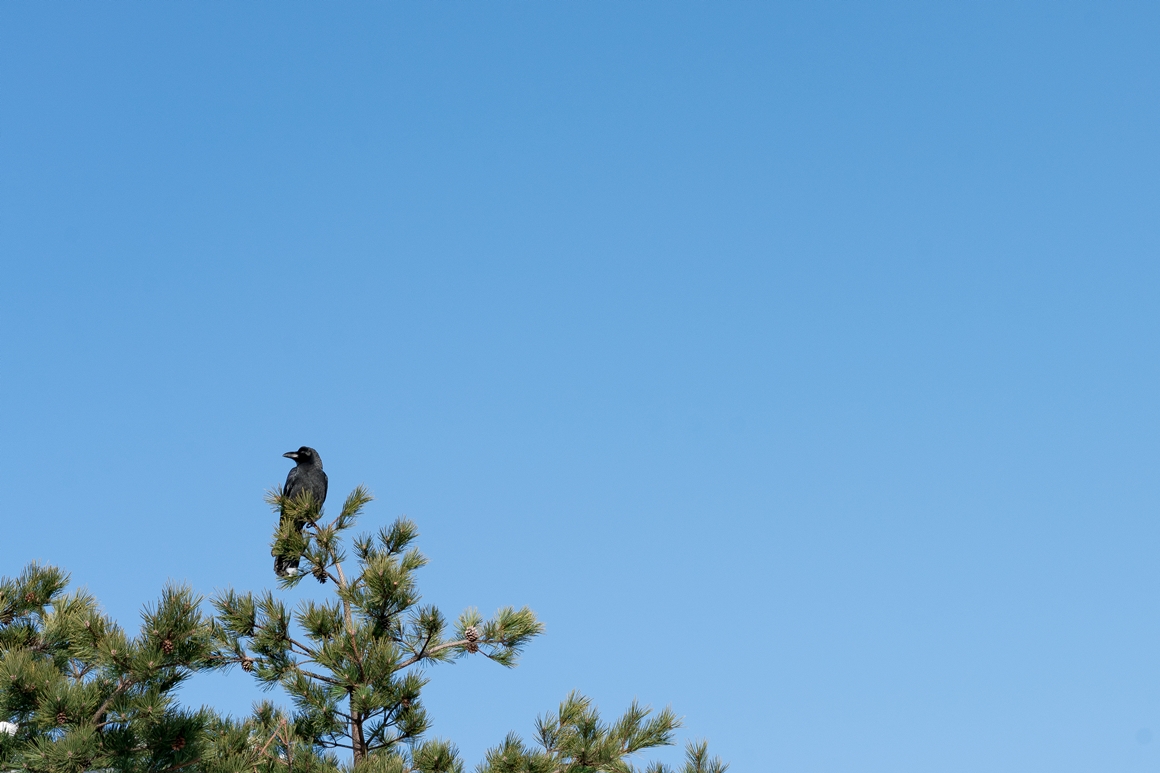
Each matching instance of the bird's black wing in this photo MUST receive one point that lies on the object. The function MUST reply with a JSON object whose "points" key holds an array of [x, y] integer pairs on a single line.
{"points": [[292, 487], [293, 482]]}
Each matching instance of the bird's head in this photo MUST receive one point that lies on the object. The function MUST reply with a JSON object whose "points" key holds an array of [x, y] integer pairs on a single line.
{"points": [[304, 455]]}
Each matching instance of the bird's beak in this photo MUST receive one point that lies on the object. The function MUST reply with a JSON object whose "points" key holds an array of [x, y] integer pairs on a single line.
{"points": [[291, 455]]}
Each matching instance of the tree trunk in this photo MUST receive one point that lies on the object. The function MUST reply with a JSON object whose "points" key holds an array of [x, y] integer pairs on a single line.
{"points": [[356, 734]]}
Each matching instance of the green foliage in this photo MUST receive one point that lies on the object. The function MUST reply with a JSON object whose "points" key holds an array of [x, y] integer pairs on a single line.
{"points": [[352, 665], [83, 695], [575, 740]]}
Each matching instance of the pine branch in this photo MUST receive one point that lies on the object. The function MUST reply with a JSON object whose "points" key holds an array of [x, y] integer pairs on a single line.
{"points": [[122, 686], [320, 677]]}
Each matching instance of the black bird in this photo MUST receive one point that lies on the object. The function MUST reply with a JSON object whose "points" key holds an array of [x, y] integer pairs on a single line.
{"points": [[307, 475]]}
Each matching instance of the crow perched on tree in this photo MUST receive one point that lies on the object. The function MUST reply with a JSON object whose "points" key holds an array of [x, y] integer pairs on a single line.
{"points": [[307, 475]]}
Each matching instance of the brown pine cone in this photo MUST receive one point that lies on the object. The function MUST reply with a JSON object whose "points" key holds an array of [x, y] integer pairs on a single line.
{"points": [[167, 647], [247, 664], [472, 636], [178, 743], [61, 717]]}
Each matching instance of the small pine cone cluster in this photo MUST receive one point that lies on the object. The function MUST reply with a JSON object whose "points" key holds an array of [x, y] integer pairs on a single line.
{"points": [[319, 574], [472, 636], [405, 703], [167, 646], [247, 664], [61, 717], [178, 743], [29, 597]]}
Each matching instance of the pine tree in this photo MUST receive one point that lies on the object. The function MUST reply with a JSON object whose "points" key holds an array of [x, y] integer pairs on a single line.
{"points": [[574, 740], [80, 694], [77, 694], [354, 671]]}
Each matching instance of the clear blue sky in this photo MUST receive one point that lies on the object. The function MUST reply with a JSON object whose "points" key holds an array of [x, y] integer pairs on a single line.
{"points": [[797, 363]]}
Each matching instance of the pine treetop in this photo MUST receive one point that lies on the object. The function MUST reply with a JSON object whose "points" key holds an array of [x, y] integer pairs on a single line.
{"points": [[78, 693], [353, 665]]}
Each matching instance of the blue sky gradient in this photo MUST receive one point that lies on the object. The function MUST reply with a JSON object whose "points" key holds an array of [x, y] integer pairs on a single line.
{"points": [[797, 363]]}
